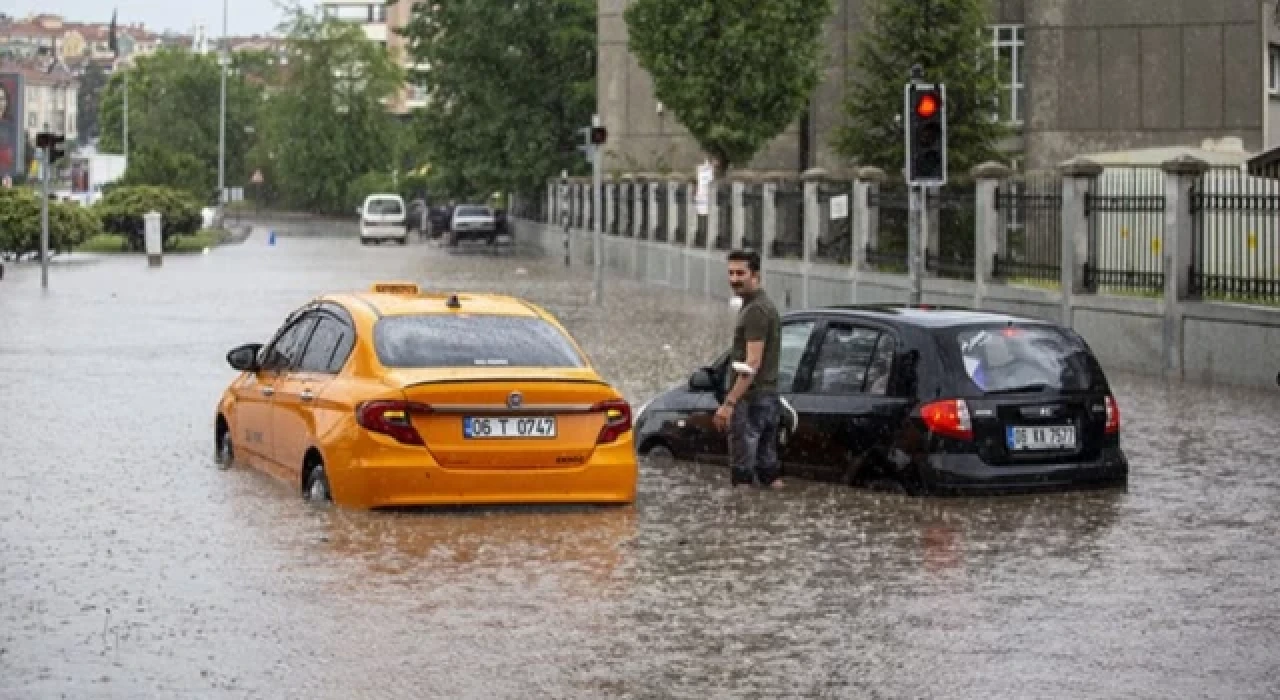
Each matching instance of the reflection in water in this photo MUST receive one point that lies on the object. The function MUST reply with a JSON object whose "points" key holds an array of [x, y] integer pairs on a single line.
{"points": [[131, 567]]}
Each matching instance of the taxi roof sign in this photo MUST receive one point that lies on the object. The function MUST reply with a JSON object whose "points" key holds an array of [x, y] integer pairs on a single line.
{"points": [[404, 288]]}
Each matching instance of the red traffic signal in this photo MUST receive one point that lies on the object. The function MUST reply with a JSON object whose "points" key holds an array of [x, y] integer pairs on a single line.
{"points": [[599, 135], [928, 105]]}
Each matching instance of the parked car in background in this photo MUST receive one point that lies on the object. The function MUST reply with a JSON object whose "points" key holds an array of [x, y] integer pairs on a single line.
{"points": [[383, 217], [473, 222], [921, 401]]}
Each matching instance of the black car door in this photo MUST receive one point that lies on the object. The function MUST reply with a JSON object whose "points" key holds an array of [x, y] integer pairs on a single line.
{"points": [[846, 411], [796, 346]]}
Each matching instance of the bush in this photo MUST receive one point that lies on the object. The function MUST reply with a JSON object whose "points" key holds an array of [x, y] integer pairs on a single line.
{"points": [[367, 184], [69, 223], [123, 208]]}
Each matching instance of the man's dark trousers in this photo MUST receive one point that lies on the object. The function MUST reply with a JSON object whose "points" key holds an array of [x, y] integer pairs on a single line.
{"points": [[753, 439]]}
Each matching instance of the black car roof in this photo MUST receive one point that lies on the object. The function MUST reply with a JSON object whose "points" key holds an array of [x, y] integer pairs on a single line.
{"points": [[925, 316]]}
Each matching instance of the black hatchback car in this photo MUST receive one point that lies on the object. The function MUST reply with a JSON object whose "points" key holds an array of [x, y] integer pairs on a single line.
{"points": [[918, 400]]}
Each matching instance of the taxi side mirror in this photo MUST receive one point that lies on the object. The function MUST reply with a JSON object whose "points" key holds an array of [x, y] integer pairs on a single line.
{"points": [[702, 380], [245, 357]]}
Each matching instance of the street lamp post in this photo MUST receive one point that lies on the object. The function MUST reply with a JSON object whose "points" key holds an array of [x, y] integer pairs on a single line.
{"points": [[223, 58]]}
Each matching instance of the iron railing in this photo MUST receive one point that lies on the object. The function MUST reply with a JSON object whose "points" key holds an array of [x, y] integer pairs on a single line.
{"points": [[681, 214], [1235, 249], [660, 215], [753, 217], [888, 252], [788, 241], [1125, 211], [1030, 212], [724, 210], [835, 235]]}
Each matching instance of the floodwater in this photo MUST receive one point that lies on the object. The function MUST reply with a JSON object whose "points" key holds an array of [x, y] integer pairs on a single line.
{"points": [[132, 567]]}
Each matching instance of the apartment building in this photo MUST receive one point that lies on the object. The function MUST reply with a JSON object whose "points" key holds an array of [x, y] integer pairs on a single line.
{"points": [[380, 22], [1080, 76], [49, 97]]}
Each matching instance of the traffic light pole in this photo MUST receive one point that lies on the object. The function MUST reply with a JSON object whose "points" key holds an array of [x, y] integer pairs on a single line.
{"points": [[44, 218], [597, 221], [915, 243]]}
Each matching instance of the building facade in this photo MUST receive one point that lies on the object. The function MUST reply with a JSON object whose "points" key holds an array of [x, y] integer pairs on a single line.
{"points": [[380, 22], [1079, 76]]}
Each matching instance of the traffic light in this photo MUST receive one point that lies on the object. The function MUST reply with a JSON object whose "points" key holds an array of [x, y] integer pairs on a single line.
{"points": [[926, 121], [599, 135], [52, 144]]}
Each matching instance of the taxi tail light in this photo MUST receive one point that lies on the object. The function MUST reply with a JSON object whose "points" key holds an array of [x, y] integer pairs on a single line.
{"points": [[617, 419], [1113, 416], [392, 418], [949, 418]]}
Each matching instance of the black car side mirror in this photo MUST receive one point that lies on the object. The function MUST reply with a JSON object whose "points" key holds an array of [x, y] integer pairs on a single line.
{"points": [[702, 380], [245, 357]]}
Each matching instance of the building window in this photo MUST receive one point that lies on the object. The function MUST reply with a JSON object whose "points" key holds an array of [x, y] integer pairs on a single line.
{"points": [[1273, 69], [1006, 45]]}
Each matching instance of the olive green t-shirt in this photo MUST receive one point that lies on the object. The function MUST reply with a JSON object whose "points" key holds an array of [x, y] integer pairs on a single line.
{"points": [[758, 319]]}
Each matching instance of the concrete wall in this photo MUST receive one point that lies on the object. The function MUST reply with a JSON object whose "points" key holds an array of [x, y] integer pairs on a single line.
{"points": [[1101, 75], [1126, 333]]}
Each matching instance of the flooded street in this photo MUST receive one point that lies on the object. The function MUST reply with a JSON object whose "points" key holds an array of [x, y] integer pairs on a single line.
{"points": [[131, 566]]}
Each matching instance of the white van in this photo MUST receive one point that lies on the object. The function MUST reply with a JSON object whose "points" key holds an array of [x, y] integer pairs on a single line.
{"points": [[383, 218]]}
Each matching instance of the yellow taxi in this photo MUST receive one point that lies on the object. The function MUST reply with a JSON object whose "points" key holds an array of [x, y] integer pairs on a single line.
{"points": [[396, 397]]}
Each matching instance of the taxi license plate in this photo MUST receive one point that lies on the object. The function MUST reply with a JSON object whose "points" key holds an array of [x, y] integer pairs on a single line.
{"points": [[481, 427], [1042, 437]]}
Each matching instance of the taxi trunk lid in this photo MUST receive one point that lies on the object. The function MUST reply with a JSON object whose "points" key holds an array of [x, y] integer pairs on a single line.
{"points": [[487, 419]]}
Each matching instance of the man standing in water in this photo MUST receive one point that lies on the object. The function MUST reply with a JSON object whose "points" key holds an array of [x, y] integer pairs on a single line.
{"points": [[751, 410]]}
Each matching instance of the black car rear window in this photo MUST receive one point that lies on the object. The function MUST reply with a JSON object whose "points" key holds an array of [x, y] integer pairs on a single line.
{"points": [[1003, 358], [431, 340]]}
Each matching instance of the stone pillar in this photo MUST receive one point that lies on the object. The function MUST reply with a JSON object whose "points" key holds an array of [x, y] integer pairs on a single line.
{"points": [[1180, 178], [866, 217], [690, 185], [673, 213], [813, 179], [713, 213], [769, 214], [738, 227], [1078, 177], [608, 208], [651, 201], [986, 236], [152, 224]]}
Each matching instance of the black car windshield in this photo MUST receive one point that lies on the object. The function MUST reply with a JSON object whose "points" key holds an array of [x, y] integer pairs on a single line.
{"points": [[473, 211], [1007, 359], [430, 340]]}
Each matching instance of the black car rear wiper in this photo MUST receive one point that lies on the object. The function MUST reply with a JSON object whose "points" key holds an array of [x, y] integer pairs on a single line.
{"points": [[1026, 389]]}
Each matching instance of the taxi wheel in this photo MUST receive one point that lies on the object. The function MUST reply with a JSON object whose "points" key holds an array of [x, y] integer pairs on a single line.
{"points": [[317, 490]]}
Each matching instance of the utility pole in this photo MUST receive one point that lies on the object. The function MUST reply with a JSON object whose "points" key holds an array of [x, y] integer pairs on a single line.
{"points": [[126, 117], [44, 215], [224, 58], [564, 214]]}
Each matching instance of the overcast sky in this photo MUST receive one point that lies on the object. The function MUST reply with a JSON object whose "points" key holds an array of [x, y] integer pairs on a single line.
{"points": [[243, 16]]}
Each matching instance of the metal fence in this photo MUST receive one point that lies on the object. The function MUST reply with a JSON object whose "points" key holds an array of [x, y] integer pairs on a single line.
{"points": [[788, 242], [1126, 231], [724, 228], [753, 217], [682, 214], [615, 200], [953, 216], [1030, 211], [835, 224], [888, 252], [1235, 250], [660, 213]]}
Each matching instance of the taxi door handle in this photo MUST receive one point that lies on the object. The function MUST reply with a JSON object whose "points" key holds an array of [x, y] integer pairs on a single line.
{"points": [[268, 391], [306, 395]]}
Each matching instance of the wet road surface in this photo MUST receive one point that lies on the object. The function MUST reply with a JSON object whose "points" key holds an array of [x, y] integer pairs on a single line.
{"points": [[131, 567]]}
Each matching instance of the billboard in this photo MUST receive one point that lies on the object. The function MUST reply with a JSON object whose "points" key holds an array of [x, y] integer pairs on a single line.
{"points": [[13, 137]]}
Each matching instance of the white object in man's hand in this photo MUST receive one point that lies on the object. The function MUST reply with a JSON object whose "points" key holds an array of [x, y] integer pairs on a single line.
{"points": [[743, 368]]}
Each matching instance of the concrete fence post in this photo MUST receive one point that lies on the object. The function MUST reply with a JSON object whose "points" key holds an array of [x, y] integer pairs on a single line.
{"points": [[1078, 178], [152, 227], [866, 216], [690, 212], [610, 210], [1180, 178], [673, 212], [768, 214], [737, 192], [813, 179], [651, 201], [986, 235], [713, 213]]}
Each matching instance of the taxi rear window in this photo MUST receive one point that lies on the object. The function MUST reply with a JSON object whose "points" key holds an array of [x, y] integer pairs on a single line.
{"points": [[431, 340]]}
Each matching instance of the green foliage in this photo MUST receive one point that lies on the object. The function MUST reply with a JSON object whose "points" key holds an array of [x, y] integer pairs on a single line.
{"points": [[123, 208], [174, 110], [736, 73], [69, 223], [321, 133], [367, 184], [948, 38], [88, 101], [509, 85]]}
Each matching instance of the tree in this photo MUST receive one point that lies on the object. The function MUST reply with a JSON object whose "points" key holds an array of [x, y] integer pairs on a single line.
{"points": [[122, 211], [88, 100], [735, 73], [944, 37], [508, 86], [327, 124], [174, 111]]}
